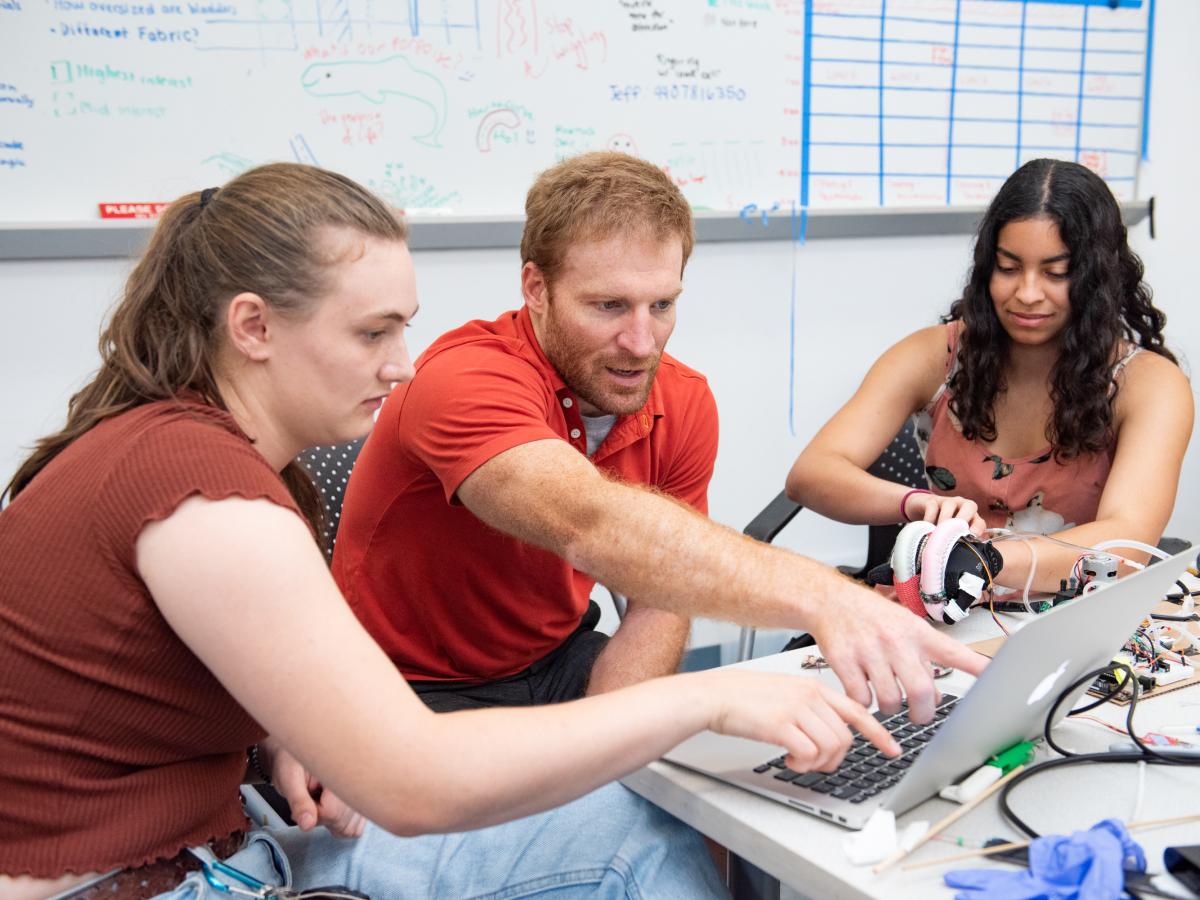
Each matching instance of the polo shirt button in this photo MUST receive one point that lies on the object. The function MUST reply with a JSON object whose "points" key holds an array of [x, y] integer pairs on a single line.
{"points": [[568, 402], [575, 433]]}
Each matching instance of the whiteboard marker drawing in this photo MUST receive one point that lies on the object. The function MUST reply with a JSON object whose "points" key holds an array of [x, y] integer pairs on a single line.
{"points": [[376, 81], [504, 119]]}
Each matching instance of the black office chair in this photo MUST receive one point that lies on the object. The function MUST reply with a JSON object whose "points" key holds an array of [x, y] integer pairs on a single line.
{"points": [[329, 466], [901, 462], [1171, 546]]}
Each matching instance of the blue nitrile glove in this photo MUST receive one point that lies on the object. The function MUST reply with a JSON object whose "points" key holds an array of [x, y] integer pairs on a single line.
{"points": [[1088, 865]]}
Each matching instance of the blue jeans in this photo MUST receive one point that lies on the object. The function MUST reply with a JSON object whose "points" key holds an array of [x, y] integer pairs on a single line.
{"points": [[608, 844]]}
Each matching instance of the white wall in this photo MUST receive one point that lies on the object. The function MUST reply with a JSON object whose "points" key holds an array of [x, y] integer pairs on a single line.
{"points": [[853, 299]]}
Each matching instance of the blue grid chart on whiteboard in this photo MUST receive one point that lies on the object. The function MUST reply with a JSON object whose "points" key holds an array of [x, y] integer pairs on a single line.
{"points": [[935, 102]]}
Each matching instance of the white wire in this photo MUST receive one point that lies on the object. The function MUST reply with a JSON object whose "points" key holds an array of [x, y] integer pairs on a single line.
{"points": [[1032, 568], [1005, 533], [1136, 815], [1129, 543], [1027, 537]]}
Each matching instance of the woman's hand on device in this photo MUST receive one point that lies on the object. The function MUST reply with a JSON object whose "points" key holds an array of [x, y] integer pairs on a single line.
{"points": [[936, 509]]}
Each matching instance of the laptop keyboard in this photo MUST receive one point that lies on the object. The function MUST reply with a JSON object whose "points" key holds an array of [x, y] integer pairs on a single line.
{"points": [[866, 771]]}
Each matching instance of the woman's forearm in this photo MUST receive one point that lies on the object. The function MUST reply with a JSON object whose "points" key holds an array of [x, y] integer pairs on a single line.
{"points": [[513, 762], [505, 763], [1052, 563], [835, 487]]}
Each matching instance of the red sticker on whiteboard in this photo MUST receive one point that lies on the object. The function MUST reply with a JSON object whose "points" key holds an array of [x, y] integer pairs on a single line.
{"points": [[131, 210]]}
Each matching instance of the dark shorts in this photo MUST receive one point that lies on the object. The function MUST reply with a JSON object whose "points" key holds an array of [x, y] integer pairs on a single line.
{"points": [[560, 675]]}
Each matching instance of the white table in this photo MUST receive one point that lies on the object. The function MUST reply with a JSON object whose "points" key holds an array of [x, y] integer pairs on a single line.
{"points": [[805, 853]]}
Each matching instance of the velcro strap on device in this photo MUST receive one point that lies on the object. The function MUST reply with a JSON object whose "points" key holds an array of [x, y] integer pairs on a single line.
{"points": [[970, 587], [970, 567]]}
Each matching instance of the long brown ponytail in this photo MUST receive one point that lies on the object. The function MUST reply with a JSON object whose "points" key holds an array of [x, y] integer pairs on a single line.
{"points": [[258, 233]]}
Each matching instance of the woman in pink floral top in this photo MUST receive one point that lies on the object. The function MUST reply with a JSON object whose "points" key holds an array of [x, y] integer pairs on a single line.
{"points": [[1040, 404]]}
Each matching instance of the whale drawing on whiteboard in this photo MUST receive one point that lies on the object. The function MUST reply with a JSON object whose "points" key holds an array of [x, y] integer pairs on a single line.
{"points": [[378, 80], [496, 118]]}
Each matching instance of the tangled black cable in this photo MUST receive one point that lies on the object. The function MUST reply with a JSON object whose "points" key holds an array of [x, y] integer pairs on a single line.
{"points": [[1143, 754]]}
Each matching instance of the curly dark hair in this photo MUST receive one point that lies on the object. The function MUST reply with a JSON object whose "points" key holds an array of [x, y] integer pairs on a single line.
{"points": [[1108, 303]]}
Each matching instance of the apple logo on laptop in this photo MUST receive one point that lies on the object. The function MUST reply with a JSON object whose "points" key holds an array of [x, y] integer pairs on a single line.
{"points": [[1042, 688]]}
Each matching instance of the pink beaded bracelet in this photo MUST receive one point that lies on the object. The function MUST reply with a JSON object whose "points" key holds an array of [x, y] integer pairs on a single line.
{"points": [[904, 500]]}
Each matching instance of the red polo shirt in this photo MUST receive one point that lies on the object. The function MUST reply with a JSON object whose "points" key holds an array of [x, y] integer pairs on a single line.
{"points": [[447, 597]]}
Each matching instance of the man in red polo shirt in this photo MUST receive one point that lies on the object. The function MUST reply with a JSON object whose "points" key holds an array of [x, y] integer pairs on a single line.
{"points": [[560, 444]]}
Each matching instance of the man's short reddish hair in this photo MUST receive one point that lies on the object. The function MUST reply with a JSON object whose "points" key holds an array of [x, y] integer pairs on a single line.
{"points": [[595, 196]]}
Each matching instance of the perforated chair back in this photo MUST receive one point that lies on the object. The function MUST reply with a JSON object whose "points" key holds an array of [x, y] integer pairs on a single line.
{"points": [[901, 460], [329, 466]]}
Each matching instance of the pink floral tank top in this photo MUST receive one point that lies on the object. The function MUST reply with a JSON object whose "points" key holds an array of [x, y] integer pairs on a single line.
{"points": [[1032, 493]]}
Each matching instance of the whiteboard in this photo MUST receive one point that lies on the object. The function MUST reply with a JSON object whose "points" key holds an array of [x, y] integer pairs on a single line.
{"points": [[450, 107]]}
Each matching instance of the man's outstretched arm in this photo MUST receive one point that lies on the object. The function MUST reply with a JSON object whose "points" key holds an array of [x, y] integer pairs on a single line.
{"points": [[654, 548]]}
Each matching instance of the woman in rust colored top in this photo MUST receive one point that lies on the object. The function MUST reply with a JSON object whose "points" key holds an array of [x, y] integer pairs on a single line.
{"points": [[1048, 403], [164, 606]]}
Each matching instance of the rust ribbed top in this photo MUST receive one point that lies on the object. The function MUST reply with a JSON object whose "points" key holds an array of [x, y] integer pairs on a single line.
{"points": [[117, 746]]}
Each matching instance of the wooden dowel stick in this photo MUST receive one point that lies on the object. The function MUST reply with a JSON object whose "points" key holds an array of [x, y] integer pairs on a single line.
{"points": [[1016, 845], [970, 854], [947, 822]]}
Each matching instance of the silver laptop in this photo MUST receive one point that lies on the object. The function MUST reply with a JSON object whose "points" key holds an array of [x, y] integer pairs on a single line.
{"points": [[1007, 704]]}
